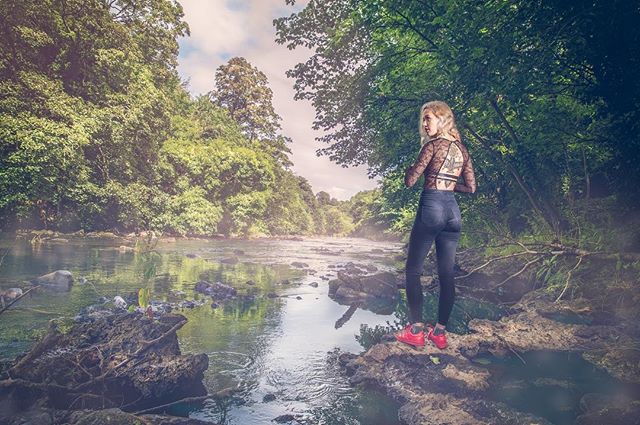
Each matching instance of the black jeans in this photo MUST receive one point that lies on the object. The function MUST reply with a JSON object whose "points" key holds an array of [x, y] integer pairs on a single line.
{"points": [[438, 218]]}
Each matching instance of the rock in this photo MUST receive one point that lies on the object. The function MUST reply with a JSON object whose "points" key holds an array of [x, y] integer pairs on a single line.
{"points": [[370, 268], [250, 282], [238, 252], [285, 282], [299, 264], [272, 295], [117, 416], [191, 255], [349, 288], [119, 302], [102, 235], [455, 390], [473, 377], [551, 382], [216, 290], [298, 297], [230, 260], [437, 409], [11, 294], [135, 353], [314, 284], [284, 419], [268, 397], [60, 279], [627, 412]]}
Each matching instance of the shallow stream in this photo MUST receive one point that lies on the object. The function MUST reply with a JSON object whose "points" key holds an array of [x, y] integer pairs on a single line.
{"points": [[283, 348]]}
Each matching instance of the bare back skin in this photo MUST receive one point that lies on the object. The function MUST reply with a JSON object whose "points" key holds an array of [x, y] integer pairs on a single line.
{"points": [[443, 161]]}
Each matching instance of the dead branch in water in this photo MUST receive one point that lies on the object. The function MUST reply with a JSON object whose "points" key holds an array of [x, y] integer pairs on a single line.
{"points": [[492, 260], [145, 345]]}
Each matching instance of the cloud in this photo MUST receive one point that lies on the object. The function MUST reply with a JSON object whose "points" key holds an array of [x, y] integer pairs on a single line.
{"points": [[223, 29]]}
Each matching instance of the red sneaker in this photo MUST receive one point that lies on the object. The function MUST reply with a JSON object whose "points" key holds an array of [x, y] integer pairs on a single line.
{"points": [[410, 338], [439, 340]]}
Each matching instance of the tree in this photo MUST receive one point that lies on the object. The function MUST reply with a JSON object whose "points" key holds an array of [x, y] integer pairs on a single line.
{"points": [[244, 91], [513, 73]]}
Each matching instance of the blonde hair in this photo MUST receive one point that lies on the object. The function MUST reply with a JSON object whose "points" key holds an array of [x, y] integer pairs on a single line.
{"points": [[446, 121]]}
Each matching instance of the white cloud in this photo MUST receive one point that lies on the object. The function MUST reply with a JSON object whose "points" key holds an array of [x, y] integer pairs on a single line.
{"points": [[244, 28]]}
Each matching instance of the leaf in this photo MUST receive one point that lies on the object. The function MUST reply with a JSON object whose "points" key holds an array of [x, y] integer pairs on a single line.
{"points": [[131, 308], [434, 359], [143, 297]]}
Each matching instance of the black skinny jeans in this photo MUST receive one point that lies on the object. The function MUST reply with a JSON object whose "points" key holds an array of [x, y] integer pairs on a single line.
{"points": [[438, 218]]}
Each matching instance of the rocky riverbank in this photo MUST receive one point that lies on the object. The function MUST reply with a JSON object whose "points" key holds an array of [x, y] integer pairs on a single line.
{"points": [[448, 386], [445, 386], [126, 363]]}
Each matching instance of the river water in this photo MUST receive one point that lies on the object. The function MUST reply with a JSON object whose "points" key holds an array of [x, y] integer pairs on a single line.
{"points": [[284, 347]]}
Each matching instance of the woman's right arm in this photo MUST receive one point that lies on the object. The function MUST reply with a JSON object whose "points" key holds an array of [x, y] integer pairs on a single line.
{"points": [[413, 172], [469, 185]]}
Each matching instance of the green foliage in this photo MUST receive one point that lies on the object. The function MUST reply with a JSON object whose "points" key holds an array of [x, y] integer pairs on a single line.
{"points": [[243, 90], [540, 104], [143, 297], [191, 213], [288, 210], [338, 223], [368, 336], [98, 132]]}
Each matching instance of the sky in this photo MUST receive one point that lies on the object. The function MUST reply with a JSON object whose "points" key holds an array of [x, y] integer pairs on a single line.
{"points": [[222, 29]]}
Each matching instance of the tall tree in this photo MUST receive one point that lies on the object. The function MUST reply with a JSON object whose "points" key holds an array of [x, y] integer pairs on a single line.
{"points": [[244, 91]]}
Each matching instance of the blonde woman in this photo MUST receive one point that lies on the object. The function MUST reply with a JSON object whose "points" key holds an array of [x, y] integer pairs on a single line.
{"points": [[442, 159]]}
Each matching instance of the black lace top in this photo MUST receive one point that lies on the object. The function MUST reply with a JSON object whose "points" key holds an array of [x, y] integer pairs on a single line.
{"points": [[443, 161]]}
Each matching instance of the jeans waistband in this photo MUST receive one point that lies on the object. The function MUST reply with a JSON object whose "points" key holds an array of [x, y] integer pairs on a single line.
{"points": [[446, 193]]}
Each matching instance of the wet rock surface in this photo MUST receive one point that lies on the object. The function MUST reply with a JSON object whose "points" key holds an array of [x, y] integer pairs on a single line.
{"points": [[217, 290], [121, 360], [445, 386], [377, 292], [59, 279]]}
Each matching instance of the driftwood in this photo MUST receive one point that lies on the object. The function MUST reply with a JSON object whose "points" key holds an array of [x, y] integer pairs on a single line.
{"points": [[544, 250]]}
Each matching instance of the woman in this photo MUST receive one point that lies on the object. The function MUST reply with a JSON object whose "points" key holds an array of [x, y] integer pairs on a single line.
{"points": [[442, 159]]}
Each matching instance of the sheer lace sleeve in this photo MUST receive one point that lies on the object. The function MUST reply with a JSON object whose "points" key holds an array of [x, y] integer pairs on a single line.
{"points": [[413, 172], [469, 185]]}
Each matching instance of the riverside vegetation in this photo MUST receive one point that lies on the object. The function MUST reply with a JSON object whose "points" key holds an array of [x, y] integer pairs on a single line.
{"points": [[97, 132]]}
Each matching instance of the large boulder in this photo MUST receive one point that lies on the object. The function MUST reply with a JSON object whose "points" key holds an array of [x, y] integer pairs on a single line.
{"points": [[377, 292], [113, 361], [60, 279], [352, 288]]}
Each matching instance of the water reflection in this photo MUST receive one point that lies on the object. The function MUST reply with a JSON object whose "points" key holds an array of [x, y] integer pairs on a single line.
{"points": [[284, 348]]}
